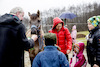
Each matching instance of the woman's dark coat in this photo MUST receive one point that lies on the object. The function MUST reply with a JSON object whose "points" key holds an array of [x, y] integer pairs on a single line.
{"points": [[93, 46]]}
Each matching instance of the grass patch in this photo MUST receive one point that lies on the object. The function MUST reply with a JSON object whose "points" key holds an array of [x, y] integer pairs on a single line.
{"points": [[82, 39], [83, 32]]}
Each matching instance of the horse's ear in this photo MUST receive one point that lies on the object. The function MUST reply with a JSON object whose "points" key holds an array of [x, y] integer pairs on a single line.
{"points": [[29, 14], [38, 13]]}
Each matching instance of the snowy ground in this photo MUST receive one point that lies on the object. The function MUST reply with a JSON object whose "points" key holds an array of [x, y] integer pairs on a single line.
{"points": [[26, 59]]}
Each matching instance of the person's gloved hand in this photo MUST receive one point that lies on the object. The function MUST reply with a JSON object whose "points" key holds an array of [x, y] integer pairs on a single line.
{"points": [[68, 51], [95, 65], [34, 37]]}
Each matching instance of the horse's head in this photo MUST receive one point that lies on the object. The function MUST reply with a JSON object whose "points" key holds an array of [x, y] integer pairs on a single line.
{"points": [[35, 19], [35, 30]]}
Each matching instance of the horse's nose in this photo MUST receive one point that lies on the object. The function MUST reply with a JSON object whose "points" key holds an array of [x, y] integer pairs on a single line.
{"points": [[39, 21]]}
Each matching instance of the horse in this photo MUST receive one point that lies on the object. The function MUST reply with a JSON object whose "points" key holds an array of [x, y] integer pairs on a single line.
{"points": [[35, 29]]}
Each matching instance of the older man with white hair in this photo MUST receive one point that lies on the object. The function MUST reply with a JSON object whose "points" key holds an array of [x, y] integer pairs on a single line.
{"points": [[13, 40]]}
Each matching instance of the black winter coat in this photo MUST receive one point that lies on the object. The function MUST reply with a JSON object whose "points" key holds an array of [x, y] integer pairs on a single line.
{"points": [[93, 46], [13, 41]]}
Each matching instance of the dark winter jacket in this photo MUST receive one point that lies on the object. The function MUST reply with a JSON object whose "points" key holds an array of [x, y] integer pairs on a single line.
{"points": [[13, 41], [50, 57], [93, 46], [64, 40]]}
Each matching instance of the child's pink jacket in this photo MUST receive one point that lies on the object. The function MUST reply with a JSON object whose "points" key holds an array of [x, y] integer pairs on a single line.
{"points": [[79, 59], [74, 34]]}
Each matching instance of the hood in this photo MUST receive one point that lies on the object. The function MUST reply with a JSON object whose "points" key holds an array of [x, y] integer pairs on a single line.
{"points": [[56, 21], [9, 19], [81, 45], [74, 27]]}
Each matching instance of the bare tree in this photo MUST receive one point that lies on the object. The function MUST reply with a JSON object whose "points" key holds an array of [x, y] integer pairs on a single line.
{"points": [[83, 12]]}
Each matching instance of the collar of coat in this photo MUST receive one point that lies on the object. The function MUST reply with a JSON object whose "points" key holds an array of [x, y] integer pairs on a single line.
{"points": [[50, 48], [95, 29]]}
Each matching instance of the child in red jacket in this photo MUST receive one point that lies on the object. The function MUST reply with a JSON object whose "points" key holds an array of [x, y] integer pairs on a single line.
{"points": [[64, 40]]}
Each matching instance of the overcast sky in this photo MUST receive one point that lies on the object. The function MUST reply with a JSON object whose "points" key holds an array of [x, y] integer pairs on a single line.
{"points": [[34, 5]]}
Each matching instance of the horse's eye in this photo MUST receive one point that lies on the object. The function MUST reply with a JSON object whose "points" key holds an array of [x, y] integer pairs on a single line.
{"points": [[39, 20]]}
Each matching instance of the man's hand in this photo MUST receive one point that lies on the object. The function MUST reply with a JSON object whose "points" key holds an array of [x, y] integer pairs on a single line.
{"points": [[95, 65], [68, 51], [34, 37]]}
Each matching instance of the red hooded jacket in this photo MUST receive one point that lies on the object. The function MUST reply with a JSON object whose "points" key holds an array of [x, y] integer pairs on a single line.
{"points": [[64, 40]]}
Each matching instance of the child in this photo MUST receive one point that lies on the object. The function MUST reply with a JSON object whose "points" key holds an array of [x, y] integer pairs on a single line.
{"points": [[74, 34], [64, 40], [93, 42], [50, 57], [78, 59]]}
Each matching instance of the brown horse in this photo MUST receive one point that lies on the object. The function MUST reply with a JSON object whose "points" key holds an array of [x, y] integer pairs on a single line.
{"points": [[35, 29]]}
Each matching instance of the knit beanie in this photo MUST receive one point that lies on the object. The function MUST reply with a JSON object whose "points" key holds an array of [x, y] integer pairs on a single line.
{"points": [[76, 46], [50, 38], [95, 20]]}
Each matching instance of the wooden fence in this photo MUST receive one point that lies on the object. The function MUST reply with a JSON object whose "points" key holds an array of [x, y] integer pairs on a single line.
{"points": [[79, 26]]}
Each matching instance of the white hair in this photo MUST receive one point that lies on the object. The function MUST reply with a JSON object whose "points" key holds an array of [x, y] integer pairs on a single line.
{"points": [[16, 9]]}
